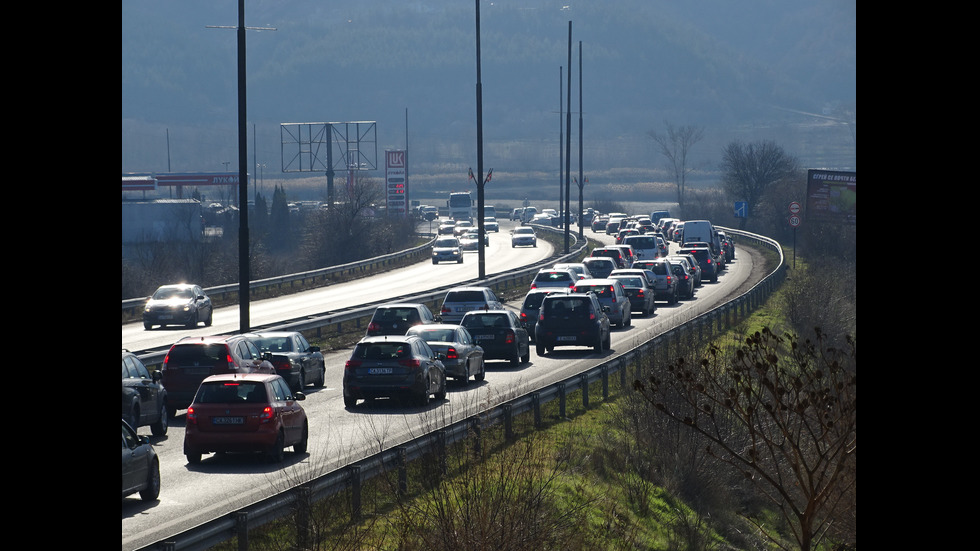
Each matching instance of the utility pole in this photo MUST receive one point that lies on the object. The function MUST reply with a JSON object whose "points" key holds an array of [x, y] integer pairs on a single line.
{"points": [[243, 248], [568, 139], [581, 181], [480, 184]]}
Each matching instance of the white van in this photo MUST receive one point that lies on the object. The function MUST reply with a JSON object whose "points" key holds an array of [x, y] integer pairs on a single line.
{"points": [[701, 231], [645, 246]]}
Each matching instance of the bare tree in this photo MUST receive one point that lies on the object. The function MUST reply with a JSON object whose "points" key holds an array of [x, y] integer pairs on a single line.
{"points": [[674, 146], [783, 414], [749, 170]]}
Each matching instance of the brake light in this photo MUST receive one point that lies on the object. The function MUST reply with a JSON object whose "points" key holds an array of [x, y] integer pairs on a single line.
{"points": [[668, 279], [534, 285], [410, 363], [639, 293], [446, 309], [612, 293], [282, 364], [373, 327], [523, 316], [451, 353], [231, 361], [266, 414], [591, 316], [353, 364], [509, 337], [191, 418]]}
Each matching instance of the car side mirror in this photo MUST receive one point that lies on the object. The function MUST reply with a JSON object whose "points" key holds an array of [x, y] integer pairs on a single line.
{"points": [[266, 356], [440, 356], [299, 395], [157, 376], [314, 349]]}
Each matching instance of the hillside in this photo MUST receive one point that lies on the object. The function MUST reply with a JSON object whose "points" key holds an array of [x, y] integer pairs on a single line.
{"points": [[728, 67]]}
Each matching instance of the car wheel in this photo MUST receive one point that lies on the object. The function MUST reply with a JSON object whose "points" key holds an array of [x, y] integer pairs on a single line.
{"points": [[483, 372], [147, 325], [540, 349], [516, 360], [160, 427], [422, 399], [134, 415], [598, 343], [277, 451], [210, 318], [152, 490], [193, 458], [673, 297], [349, 402], [301, 380], [629, 319], [300, 447], [441, 393], [608, 342], [434, 262], [321, 378]]}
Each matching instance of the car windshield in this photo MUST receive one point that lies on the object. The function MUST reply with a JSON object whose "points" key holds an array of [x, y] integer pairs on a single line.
{"points": [[231, 392], [445, 243], [436, 335], [274, 344], [165, 293], [529, 231], [381, 350], [485, 320]]}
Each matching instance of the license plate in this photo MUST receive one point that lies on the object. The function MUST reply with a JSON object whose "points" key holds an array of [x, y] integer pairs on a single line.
{"points": [[166, 317], [483, 337], [227, 420], [567, 338], [379, 371]]}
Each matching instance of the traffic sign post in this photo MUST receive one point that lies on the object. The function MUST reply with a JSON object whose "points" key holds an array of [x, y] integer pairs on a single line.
{"points": [[794, 222]]}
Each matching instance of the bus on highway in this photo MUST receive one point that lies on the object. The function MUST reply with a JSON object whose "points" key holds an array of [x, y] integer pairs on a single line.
{"points": [[460, 206]]}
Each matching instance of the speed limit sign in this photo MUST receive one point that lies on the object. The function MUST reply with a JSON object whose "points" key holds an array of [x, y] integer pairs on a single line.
{"points": [[794, 221]]}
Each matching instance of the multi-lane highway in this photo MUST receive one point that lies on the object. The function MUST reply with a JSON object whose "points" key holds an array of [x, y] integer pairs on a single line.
{"points": [[191, 495]]}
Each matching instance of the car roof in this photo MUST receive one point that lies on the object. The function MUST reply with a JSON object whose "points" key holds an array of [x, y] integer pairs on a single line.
{"points": [[481, 312], [435, 326], [401, 305], [241, 377], [209, 339], [598, 259], [389, 338], [596, 281]]}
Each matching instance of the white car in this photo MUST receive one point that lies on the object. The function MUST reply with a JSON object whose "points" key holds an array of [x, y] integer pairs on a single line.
{"points": [[447, 248], [523, 236]]}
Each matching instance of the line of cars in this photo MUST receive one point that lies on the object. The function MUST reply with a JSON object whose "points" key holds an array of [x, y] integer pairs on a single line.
{"points": [[261, 376]]}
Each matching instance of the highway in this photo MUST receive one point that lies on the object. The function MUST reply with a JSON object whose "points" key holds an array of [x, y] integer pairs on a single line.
{"points": [[191, 495]]}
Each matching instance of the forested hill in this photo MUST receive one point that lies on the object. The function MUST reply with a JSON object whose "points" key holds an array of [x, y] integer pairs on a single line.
{"points": [[710, 62]]}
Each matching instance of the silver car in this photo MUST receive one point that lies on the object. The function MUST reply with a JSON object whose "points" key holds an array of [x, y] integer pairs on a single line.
{"points": [[462, 356]]}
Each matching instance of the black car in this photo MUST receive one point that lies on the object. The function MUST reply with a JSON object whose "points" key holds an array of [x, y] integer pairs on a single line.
{"points": [[685, 281], [140, 465], [144, 398], [295, 360], [575, 319], [500, 334], [396, 318], [178, 304], [393, 367], [707, 261], [531, 305]]}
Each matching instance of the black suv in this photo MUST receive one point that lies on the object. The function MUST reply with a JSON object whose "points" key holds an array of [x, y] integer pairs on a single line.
{"points": [[707, 261], [574, 319], [144, 398], [396, 318]]}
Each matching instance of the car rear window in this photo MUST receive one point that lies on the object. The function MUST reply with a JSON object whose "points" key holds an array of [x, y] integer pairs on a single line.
{"points": [[485, 320], [641, 242], [629, 281], [533, 301], [274, 344], [437, 335], [197, 354], [382, 350], [659, 268], [567, 307], [464, 296], [553, 276], [231, 392], [601, 291], [396, 314]]}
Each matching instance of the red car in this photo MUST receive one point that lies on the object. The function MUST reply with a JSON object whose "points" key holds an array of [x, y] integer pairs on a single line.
{"points": [[252, 412]]}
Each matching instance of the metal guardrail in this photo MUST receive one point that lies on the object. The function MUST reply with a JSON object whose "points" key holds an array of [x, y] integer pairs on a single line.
{"points": [[228, 293], [349, 477]]}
